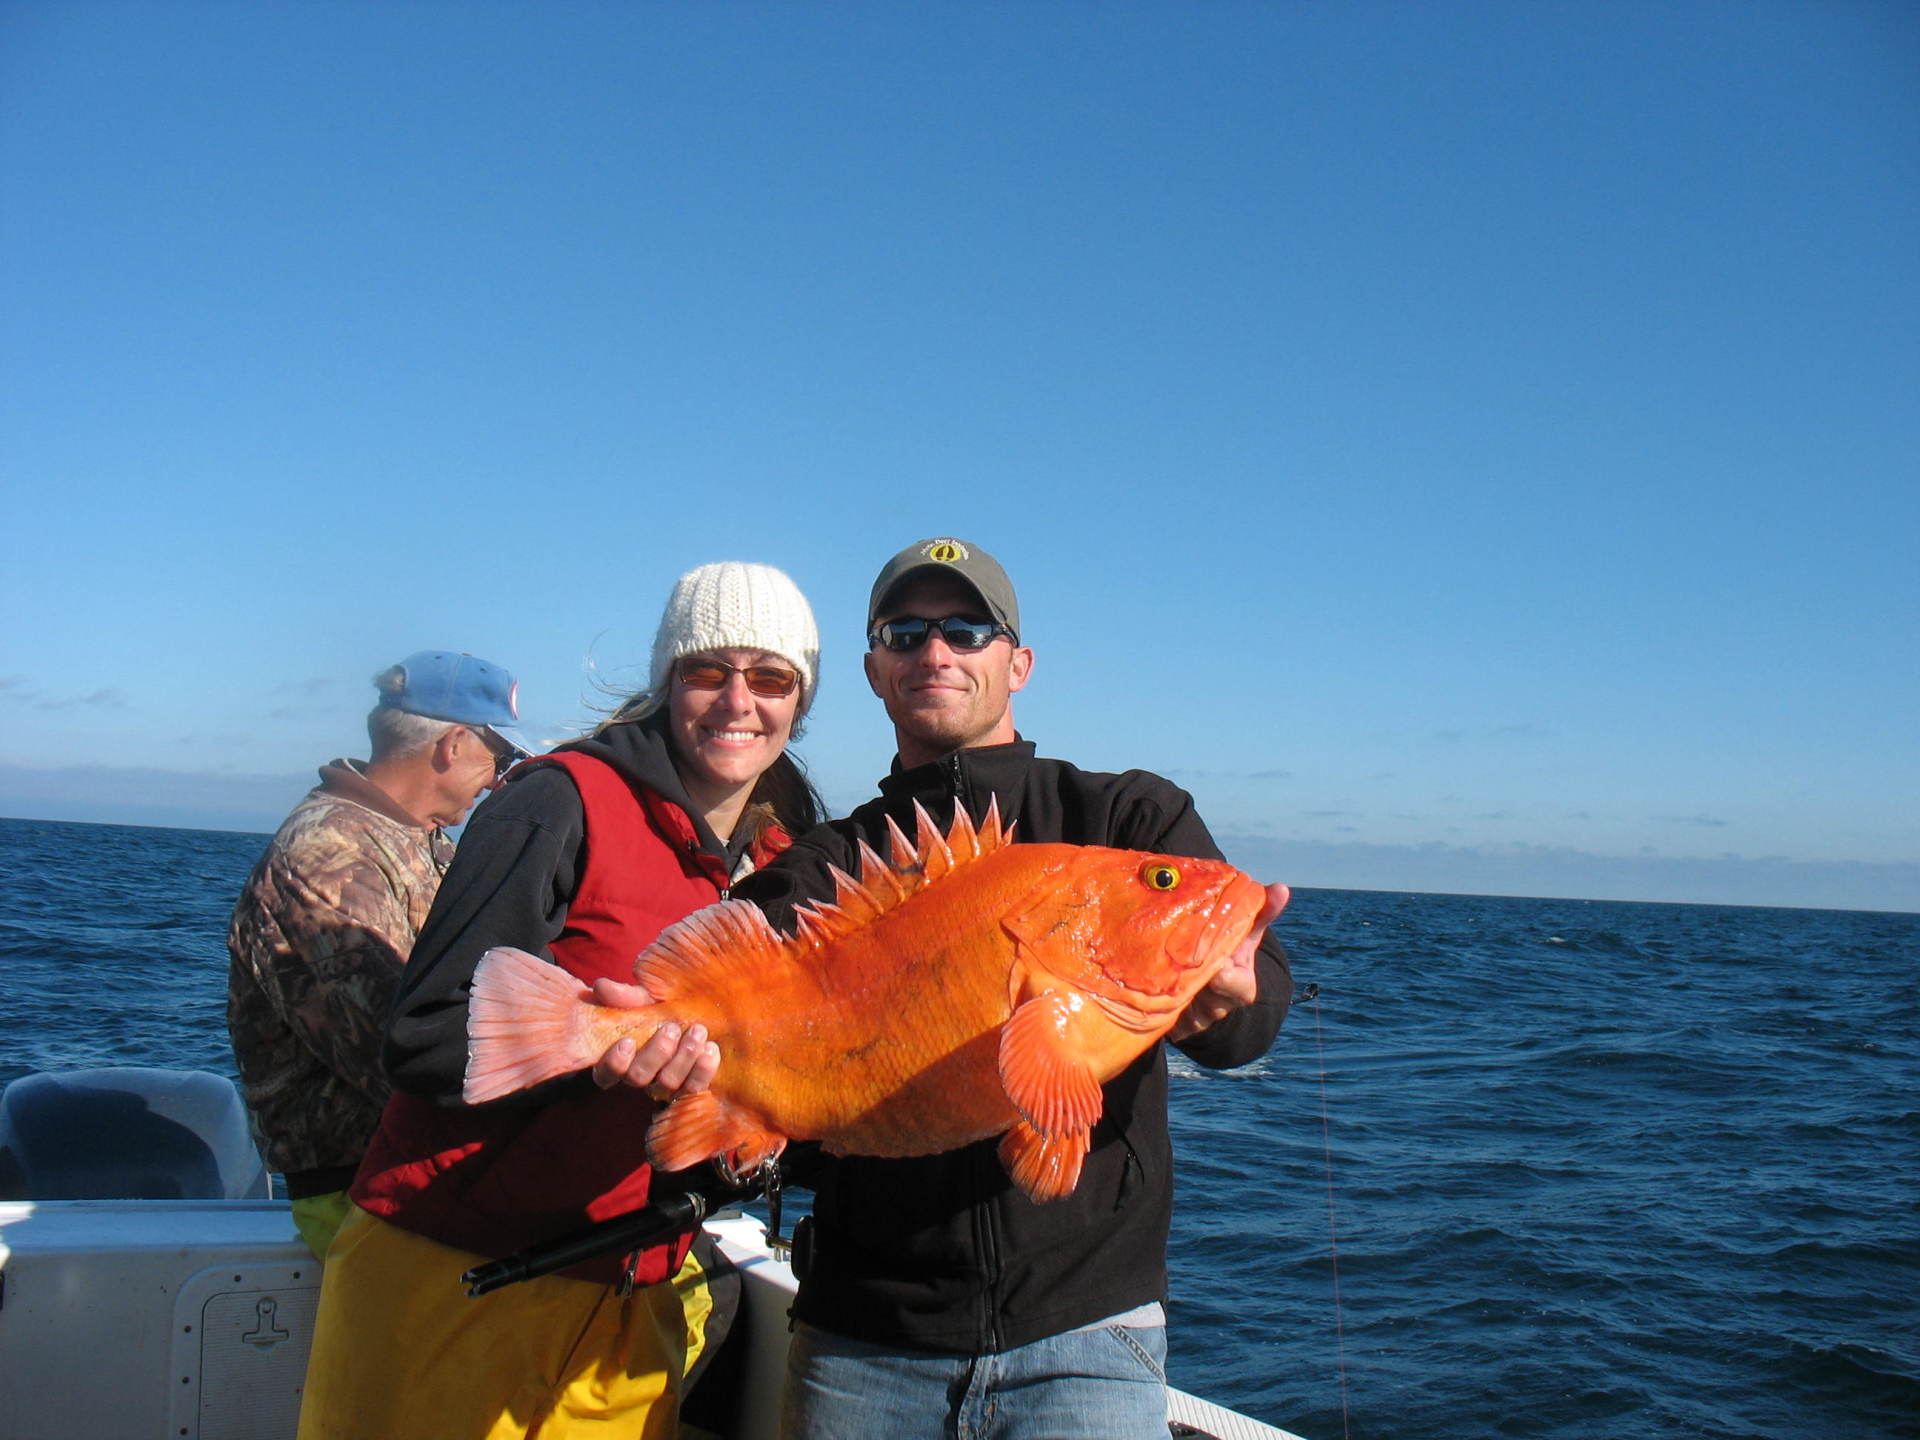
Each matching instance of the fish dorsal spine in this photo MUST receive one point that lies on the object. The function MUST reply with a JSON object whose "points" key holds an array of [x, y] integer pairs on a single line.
{"points": [[926, 860]]}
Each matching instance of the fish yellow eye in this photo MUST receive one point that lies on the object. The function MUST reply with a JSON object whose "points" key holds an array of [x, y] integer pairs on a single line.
{"points": [[1160, 876]]}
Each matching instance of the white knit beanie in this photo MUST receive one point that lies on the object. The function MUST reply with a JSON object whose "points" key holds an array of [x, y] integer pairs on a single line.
{"points": [[732, 605]]}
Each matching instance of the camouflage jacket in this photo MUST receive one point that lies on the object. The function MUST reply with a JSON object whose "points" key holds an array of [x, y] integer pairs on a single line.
{"points": [[325, 922]]}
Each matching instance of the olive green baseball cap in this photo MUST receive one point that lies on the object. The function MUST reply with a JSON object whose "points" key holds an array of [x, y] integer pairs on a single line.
{"points": [[962, 560]]}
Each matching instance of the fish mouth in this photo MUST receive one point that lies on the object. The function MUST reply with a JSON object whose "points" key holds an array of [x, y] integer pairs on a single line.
{"points": [[1194, 950], [1214, 932]]}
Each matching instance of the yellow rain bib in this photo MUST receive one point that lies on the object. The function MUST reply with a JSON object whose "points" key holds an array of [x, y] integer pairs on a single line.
{"points": [[400, 1350]]}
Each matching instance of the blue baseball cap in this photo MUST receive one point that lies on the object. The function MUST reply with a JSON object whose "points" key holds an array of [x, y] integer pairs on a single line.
{"points": [[461, 688]]}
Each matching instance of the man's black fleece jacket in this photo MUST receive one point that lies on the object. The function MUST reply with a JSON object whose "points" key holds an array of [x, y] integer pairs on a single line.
{"points": [[943, 1253]]}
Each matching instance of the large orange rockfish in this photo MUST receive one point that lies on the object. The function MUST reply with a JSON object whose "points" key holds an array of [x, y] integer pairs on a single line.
{"points": [[973, 986]]}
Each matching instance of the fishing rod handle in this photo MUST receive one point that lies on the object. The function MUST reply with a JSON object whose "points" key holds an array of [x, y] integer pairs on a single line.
{"points": [[672, 1216]]}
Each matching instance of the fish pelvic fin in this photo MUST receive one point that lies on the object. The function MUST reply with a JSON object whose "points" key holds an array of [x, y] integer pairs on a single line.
{"points": [[1045, 1062], [1046, 1167], [910, 866], [702, 1126], [731, 935], [527, 1021]]}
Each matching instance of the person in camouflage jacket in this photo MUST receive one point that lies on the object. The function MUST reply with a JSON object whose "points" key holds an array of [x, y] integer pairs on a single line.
{"points": [[329, 915]]}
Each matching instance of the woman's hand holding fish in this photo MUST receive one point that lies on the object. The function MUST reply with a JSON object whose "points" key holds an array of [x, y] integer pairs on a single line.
{"points": [[672, 1062], [1236, 983]]}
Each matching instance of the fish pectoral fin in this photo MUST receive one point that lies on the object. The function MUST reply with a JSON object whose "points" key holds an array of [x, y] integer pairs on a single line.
{"points": [[1043, 1062], [1046, 1167], [702, 1126]]}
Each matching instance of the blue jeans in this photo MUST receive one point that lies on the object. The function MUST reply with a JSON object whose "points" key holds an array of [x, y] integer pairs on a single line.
{"points": [[1107, 1383]]}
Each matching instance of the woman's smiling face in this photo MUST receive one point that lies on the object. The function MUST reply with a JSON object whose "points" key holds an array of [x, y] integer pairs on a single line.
{"points": [[725, 739]]}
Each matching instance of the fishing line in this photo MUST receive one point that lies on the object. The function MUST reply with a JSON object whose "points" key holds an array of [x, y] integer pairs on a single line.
{"points": [[1311, 993]]}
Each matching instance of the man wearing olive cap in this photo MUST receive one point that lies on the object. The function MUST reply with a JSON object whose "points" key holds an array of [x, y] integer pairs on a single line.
{"points": [[330, 913], [935, 1297]]}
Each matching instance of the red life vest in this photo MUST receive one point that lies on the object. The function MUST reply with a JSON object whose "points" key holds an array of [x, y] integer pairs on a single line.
{"points": [[499, 1178]]}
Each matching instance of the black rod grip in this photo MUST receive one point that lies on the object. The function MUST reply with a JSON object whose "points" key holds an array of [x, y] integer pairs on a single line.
{"points": [[663, 1218]]}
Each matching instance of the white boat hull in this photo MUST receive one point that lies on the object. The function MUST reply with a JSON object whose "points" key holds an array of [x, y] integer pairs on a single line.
{"points": [[192, 1319]]}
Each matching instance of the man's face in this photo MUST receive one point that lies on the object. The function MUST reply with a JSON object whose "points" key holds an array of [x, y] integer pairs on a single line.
{"points": [[941, 699], [470, 772]]}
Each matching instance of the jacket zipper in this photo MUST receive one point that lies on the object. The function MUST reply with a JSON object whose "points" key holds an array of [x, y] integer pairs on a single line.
{"points": [[1133, 1167], [989, 1240], [978, 1179], [980, 1183]]}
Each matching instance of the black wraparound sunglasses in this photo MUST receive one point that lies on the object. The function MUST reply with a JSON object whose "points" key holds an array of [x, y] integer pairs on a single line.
{"points": [[910, 632]]}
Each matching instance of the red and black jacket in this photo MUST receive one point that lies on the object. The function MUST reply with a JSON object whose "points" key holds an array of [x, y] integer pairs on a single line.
{"points": [[583, 857]]}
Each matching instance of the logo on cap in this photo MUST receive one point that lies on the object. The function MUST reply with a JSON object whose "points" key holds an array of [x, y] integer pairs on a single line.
{"points": [[947, 552]]}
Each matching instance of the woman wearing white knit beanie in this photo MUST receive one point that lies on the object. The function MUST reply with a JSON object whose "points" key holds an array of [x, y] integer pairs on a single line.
{"points": [[733, 604], [582, 856]]}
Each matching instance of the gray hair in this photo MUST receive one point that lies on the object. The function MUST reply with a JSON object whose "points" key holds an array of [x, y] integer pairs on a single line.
{"points": [[396, 734]]}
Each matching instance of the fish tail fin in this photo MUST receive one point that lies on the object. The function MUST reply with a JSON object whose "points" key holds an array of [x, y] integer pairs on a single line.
{"points": [[525, 1024], [702, 1126], [1046, 1167]]}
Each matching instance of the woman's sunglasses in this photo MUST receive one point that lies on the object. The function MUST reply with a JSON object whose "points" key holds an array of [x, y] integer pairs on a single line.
{"points": [[772, 682], [910, 632]]}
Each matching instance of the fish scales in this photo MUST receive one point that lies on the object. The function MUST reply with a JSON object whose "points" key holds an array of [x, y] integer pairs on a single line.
{"points": [[961, 988]]}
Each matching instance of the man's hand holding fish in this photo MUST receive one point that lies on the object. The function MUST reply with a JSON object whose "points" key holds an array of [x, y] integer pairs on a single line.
{"points": [[1237, 983]]}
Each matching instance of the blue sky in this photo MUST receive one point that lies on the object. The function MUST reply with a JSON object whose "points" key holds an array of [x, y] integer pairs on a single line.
{"points": [[1472, 447]]}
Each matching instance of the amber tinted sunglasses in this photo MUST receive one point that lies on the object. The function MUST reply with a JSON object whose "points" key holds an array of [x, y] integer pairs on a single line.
{"points": [[703, 672]]}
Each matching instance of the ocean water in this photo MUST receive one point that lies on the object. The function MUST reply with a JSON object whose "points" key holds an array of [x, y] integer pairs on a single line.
{"points": [[1537, 1168]]}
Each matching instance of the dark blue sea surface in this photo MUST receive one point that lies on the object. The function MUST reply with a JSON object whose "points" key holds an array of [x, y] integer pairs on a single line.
{"points": [[1589, 1169]]}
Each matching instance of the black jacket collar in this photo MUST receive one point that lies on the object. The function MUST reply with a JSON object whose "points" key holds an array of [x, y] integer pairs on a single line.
{"points": [[962, 773]]}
